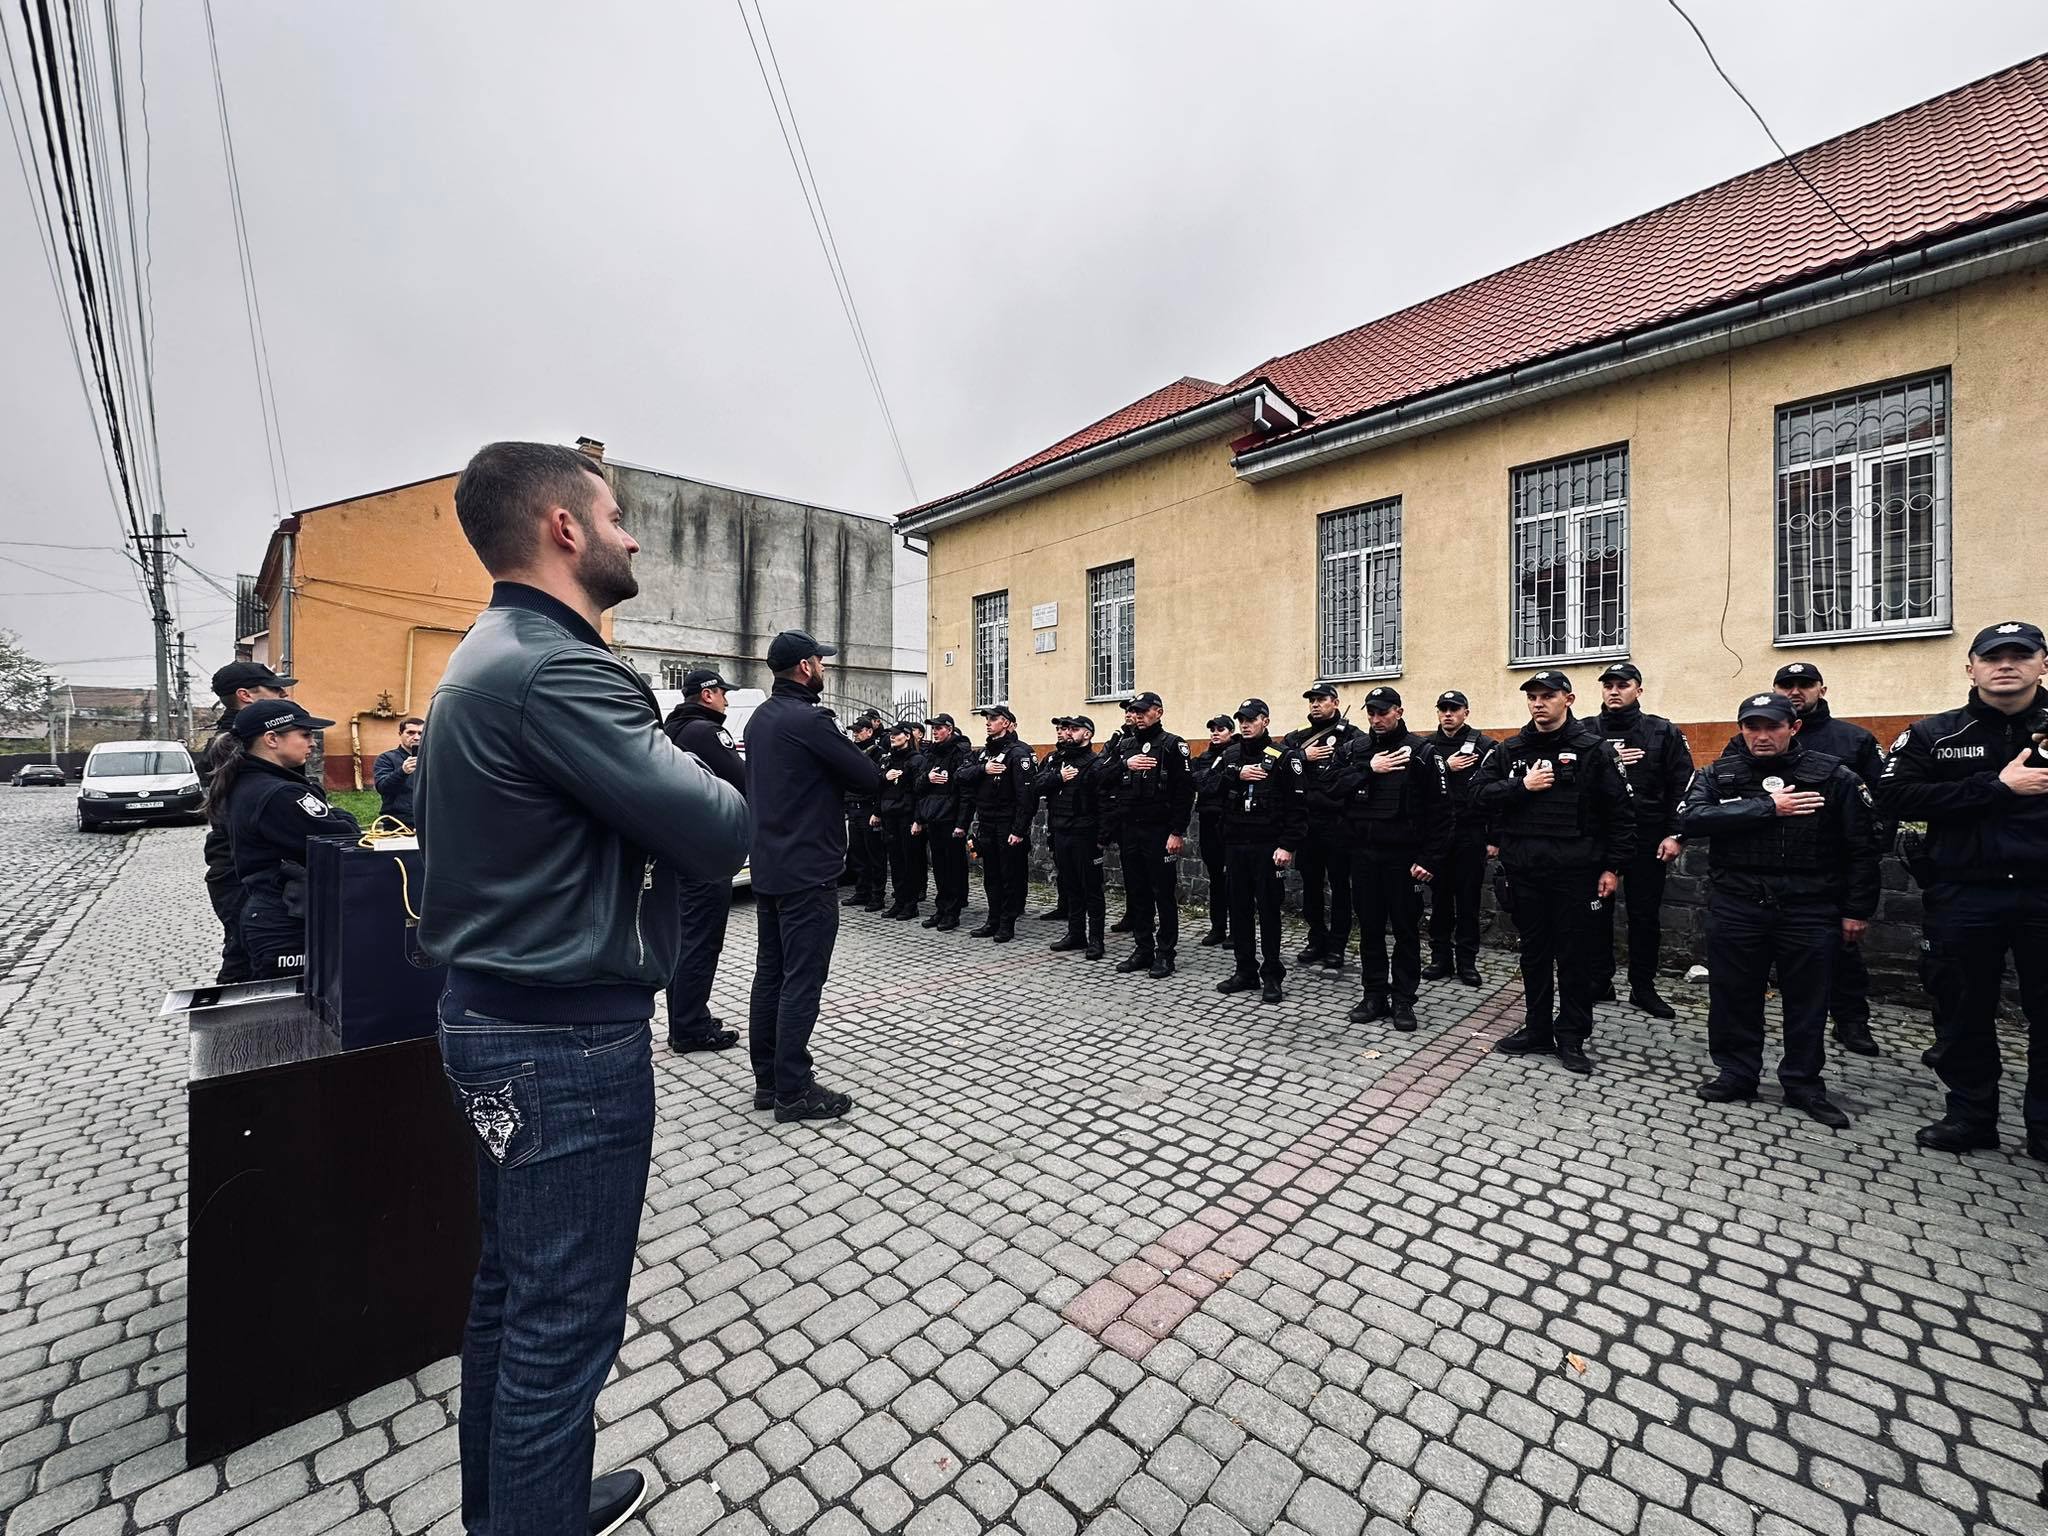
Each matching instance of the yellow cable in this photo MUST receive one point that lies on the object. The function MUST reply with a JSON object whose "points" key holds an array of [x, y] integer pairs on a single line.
{"points": [[383, 829]]}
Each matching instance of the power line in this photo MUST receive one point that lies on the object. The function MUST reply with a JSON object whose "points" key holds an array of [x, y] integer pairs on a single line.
{"points": [[1842, 218], [821, 224]]}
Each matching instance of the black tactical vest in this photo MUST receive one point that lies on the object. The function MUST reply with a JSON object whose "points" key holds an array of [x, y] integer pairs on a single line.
{"points": [[1559, 811], [1784, 844], [1385, 796]]}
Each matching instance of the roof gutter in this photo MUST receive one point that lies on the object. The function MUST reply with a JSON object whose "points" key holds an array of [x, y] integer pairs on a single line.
{"points": [[1258, 407], [1937, 268]]}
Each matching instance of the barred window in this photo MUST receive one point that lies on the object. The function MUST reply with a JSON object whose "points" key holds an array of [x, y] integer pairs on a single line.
{"points": [[672, 672], [1569, 520], [1112, 630], [1863, 512], [992, 649], [1359, 592]]}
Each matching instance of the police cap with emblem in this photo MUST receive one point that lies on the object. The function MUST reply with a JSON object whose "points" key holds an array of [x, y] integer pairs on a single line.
{"points": [[1774, 707], [1796, 672], [697, 679], [1450, 698], [1622, 671], [1081, 723], [2012, 632], [1220, 723], [265, 715], [1320, 691], [793, 646], [1548, 682], [1144, 701], [900, 728], [946, 720], [247, 674], [990, 711], [1383, 698], [1251, 709]]}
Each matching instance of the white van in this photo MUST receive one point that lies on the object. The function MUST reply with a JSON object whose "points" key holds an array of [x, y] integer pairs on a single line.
{"points": [[138, 781], [739, 704]]}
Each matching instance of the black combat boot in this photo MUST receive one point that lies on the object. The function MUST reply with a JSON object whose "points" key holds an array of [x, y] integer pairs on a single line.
{"points": [[1950, 1134], [1136, 960], [1214, 938], [1404, 1017], [1122, 924], [1055, 915], [1468, 971], [1237, 981], [1006, 930], [1816, 1105], [1646, 998], [987, 930], [1066, 941], [1438, 968], [1727, 1090], [1373, 1006], [1856, 1038], [1269, 990], [1162, 965], [1571, 1055], [1527, 1041]]}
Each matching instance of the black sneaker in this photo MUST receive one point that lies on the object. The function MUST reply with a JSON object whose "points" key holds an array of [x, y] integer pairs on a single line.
{"points": [[1269, 992], [1949, 1134], [1727, 1090], [1094, 951], [1646, 998], [1238, 982], [986, 931], [1309, 955], [1469, 975], [946, 924], [879, 904], [1334, 960], [1067, 941], [613, 1499], [1007, 932], [1136, 960], [1370, 1008], [1571, 1055], [764, 1098], [1817, 1106], [717, 1040], [1856, 1038], [1526, 1042], [1437, 970], [1162, 965], [1214, 938], [1404, 1017], [933, 921], [819, 1103]]}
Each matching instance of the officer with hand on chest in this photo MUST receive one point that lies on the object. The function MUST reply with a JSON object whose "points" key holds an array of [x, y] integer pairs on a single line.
{"points": [[1324, 857], [1979, 778], [866, 848], [1152, 795], [1262, 826], [1654, 755], [1210, 791], [1001, 783], [1070, 784], [942, 820], [1792, 852], [1454, 894]]}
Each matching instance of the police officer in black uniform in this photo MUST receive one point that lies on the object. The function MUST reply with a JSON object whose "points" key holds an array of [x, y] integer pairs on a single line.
{"points": [[237, 685], [1001, 780], [1262, 827], [1454, 893], [1324, 857], [697, 725], [1654, 755], [261, 796], [866, 848], [1792, 857], [1070, 784], [1977, 776], [895, 813], [1152, 796], [1210, 791], [1555, 796], [1820, 730], [942, 820], [1397, 799]]}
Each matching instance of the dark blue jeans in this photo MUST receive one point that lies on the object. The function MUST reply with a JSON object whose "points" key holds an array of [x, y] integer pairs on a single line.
{"points": [[794, 935], [564, 1122]]}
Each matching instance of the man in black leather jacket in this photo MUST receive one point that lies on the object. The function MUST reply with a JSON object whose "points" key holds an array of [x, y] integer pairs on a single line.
{"points": [[942, 822], [1070, 784], [1979, 779], [556, 819], [1653, 753], [1792, 853], [697, 725]]}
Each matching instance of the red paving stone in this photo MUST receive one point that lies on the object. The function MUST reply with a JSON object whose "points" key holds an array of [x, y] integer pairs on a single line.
{"points": [[1131, 1310]]}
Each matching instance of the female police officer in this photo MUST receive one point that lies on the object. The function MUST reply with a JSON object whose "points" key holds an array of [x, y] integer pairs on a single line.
{"points": [[261, 796]]}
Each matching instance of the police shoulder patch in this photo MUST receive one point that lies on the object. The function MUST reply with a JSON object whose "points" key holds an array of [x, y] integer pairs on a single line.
{"points": [[312, 805], [1297, 765], [1899, 741]]}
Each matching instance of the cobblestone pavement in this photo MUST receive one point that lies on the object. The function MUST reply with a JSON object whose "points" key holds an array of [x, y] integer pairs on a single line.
{"points": [[1095, 1252]]}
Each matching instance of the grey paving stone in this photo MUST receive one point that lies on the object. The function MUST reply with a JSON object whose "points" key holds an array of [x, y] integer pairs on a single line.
{"points": [[1255, 1485]]}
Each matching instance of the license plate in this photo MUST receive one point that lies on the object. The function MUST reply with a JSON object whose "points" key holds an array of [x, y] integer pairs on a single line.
{"points": [[145, 805]]}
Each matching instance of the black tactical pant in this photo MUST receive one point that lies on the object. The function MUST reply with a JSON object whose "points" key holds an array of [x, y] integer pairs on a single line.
{"points": [[1969, 931], [1256, 892], [226, 896], [1743, 942], [794, 935], [1324, 860], [1850, 1000], [1454, 901], [703, 906], [1209, 832], [1559, 914], [1642, 893], [273, 939], [866, 856], [1387, 898], [1149, 887], [1078, 858], [949, 868], [906, 860], [1005, 873]]}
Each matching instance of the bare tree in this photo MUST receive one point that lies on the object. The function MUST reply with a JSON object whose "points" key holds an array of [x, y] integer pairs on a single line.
{"points": [[24, 687]]}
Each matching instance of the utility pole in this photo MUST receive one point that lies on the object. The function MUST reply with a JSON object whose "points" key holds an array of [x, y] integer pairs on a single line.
{"points": [[184, 687], [160, 613], [50, 709]]}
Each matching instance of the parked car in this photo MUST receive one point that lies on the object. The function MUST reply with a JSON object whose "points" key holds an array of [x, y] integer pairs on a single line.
{"points": [[38, 773], [138, 781], [740, 704]]}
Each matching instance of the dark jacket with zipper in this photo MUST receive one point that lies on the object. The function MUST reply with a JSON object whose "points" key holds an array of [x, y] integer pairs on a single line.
{"points": [[1322, 799], [1001, 803], [700, 731], [1471, 825], [395, 786], [1263, 813], [1399, 817], [898, 796], [800, 770], [219, 853], [1821, 730], [1827, 860], [555, 819], [1659, 777], [1584, 821], [1150, 800], [1209, 785], [1944, 771], [1073, 807], [272, 810], [939, 805]]}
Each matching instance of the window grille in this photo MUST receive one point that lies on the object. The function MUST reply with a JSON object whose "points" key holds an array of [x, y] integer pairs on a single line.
{"points": [[1570, 526], [1360, 589], [672, 673], [1863, 512], [992, 649], [1112, 631]]}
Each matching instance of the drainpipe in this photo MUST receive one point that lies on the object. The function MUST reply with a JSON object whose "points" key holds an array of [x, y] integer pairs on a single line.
{"points": [[355, 726], [289, 528]]}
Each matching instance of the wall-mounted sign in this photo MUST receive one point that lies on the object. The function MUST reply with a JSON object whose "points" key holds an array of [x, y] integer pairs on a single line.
{"points": [[949, 658], [1045, 615], [1045, 640]]}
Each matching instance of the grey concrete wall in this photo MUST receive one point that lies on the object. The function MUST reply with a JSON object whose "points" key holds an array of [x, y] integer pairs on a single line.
{"points": [[722, 571]]}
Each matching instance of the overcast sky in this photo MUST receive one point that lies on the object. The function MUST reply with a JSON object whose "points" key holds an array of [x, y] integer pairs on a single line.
{"points": [[509, 218]]}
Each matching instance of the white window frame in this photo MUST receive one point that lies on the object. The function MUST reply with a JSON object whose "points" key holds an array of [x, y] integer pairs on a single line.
{"points": [[1370, 623], [1806, 447], [1573, 522], [991, 649], [1112, 631]]}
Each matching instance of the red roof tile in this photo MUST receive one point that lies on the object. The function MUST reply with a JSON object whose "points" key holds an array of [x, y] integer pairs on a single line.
{"points": [[1970, 157]]}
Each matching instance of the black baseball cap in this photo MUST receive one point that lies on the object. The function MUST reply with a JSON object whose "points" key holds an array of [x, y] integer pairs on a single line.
{"points": [[1766, 706], [1144, 701], [1220, 723], [793, 646], [1622, 671], [946, 720], [1251, 709], [1797, 672], [1383, 698], [697, 679], [2012, 632], [870, 721], [247, 674], [1450, 698], [1082, 722], [1320, 691], [900, 728], [990, 711], [1551, 682], [275, 715]]}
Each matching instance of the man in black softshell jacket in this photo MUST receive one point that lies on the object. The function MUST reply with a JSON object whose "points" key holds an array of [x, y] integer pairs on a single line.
{"points": [[1070, 784], [697, 725], [942, 822], [1151, 799], [1263, 824], [896, 813], [1454, 893], [1210, 791], [1654, 755], [867, 853], [1000, 785]]}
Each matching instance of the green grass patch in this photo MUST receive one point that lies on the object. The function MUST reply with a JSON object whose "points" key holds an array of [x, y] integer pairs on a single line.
{"points": [[359, 803]]}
